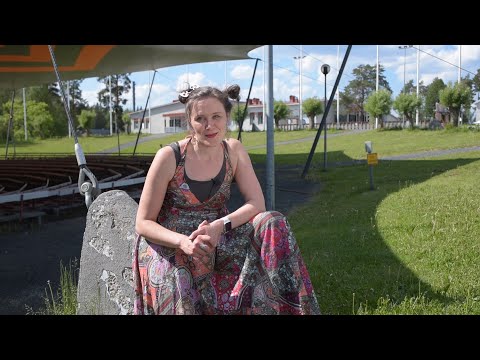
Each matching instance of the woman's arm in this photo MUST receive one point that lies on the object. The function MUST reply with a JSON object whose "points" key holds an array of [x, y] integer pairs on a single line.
{"points": [[159, 175]]}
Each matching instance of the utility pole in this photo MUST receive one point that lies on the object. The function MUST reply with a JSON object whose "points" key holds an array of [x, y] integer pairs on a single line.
{"points": [[299, 58], [376, 86], [25, 115], [110, 103], [418, 83], [337, 92]]}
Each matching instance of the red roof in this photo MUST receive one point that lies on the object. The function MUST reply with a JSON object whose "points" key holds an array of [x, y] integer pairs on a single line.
{"points": [[179, 114]]}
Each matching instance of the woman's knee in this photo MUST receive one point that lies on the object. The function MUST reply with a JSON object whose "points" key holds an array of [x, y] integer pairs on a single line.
{"points": [[268, 218]]}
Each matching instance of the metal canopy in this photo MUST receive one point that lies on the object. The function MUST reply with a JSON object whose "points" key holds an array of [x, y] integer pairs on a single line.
{"points": [[28, 65]]}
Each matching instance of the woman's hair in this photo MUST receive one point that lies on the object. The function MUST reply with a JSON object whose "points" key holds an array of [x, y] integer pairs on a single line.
{"points": [[193, 94]]}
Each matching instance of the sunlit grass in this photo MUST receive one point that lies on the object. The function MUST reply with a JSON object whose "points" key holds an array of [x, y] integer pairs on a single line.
{"points": [[64, 300]]}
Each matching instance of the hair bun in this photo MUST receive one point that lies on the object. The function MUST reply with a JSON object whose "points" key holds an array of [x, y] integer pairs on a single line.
{"points": [[233, 92], [183, 96]]}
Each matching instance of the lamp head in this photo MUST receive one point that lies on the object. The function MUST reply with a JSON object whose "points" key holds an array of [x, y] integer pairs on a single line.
{"points": [[368, 147], [325, 69]]}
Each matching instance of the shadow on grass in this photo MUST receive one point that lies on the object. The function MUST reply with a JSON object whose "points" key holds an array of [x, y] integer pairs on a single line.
{"points": [[350, 264]]}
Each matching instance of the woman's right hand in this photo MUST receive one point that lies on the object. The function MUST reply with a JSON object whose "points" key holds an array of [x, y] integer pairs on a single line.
{"points": [[197, 248]]}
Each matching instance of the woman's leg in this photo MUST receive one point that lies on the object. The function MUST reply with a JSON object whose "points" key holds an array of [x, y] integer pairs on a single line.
{"points": [[282, 262]]}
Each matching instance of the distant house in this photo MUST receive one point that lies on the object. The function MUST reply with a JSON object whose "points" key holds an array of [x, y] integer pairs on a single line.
{"points": [[167, 118], [254, 119]]}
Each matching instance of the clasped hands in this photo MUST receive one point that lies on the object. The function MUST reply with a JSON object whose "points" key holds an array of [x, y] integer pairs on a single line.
{"points": [[204, 240]]}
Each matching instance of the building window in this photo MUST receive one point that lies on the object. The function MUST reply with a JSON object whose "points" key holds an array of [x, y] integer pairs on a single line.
{"points": [[260, 118], [175, 122], [252, 118], [135, 124]]}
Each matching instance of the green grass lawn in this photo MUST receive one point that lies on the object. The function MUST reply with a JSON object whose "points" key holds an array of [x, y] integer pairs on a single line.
{"points": [[66, 145], [411, 246]]}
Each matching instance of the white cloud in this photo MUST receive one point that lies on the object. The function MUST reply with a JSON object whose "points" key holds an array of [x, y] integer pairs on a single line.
{"points": [[242, 72]]}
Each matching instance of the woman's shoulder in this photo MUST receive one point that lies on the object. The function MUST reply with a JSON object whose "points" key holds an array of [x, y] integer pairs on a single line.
{"points": [[233, 144]]}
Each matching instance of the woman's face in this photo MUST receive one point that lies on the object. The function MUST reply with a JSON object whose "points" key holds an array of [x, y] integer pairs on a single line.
{"points": [[209, 121]]}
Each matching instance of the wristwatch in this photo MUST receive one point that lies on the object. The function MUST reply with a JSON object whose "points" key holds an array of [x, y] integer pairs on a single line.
{"points": [[227, 224]]}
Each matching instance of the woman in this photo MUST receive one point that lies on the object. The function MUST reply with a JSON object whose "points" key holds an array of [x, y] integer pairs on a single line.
{"points": [[193, 257]]}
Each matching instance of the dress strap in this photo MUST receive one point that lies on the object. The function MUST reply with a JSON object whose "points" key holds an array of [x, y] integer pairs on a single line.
{"points": [[183, 153], [227, 156]]}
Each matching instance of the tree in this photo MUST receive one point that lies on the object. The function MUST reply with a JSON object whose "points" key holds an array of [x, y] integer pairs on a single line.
{"points": [[77, 102], [237, 113], [102, 119], [378, 104], [40, 122], [86, 120], [357, 91], [127, 124], [432, 96], [280, 111], [45, 94], [312, 107], [409, 88], [121, 85], [407, 105], [453, 97]]}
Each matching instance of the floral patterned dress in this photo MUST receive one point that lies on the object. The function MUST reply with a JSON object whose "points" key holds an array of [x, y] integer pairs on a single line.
{"points": [[257, 267]]}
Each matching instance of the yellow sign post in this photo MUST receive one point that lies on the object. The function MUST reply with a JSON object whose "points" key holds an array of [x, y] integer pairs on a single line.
{"points": [[372, 159]]}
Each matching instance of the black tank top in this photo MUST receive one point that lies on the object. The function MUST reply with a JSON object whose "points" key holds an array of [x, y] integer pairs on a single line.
{"points": [[202, 189]]}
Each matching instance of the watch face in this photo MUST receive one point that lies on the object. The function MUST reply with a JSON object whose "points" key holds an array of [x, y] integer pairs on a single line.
{"points": [[228, 225]]}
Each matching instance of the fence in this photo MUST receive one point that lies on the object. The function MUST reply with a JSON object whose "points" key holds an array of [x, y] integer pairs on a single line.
{"points": [[355, 125]]}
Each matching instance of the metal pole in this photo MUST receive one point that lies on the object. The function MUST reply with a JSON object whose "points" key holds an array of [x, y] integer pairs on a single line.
{"points": [[325, 130], [246, 102], [225, 81], [133, 95], [460, 77], [68, 107], [459, 63], [338, 96], [300, 90], [264, 93], [404, 66], [110, 103], [149, 110], [25, 115], [418, 83], [376, 86], [300, 112], [370, 171], [270, 165]]}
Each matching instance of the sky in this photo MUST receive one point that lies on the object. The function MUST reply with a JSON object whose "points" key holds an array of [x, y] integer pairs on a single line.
{"points": [[400, 65]]}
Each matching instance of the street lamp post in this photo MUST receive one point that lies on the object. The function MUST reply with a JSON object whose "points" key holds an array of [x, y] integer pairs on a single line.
{"points": [[325, 71], [404, 47], [300, 114]]}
